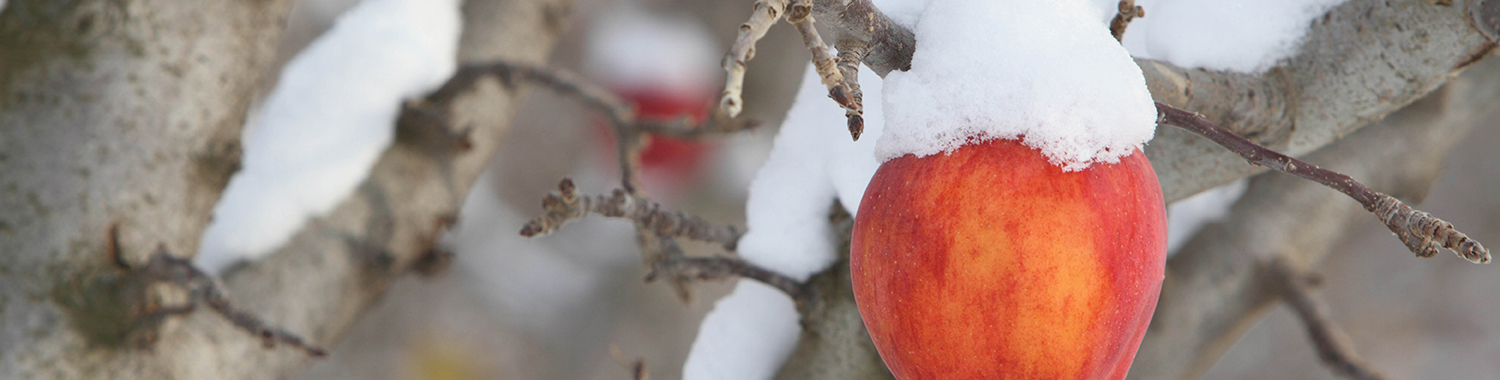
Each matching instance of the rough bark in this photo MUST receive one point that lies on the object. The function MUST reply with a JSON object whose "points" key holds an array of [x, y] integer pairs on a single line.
{"points": [[1220, 284], [128, 114], [1359, 62], [122, 113]]}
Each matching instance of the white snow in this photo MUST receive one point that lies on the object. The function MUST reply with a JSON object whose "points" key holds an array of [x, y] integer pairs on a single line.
{"points": [[1187, 216], [629, 48], [747, 336], [1045, 72], [813, 162], [330, 116], [1247, 36]]}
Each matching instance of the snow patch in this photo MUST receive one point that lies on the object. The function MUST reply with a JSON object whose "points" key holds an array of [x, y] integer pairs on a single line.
{"points": [[747, 336], [1045, 72], [330, 116], [1247, 36], [1187, 216], [812, 163]]}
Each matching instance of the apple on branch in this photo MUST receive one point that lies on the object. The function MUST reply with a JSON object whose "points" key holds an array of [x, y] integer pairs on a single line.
{"points": [[1014, 229]]}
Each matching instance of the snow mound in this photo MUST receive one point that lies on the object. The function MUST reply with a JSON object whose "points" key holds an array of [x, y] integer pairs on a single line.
{"points": [[1045, 72], [1247, 36], [747, 335], [812, 163], [332, 113]]}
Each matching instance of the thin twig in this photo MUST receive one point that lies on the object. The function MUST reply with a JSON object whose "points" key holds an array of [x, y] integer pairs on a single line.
{"points": [[202, 288], [823, 61], [1333, 345], [1423, 233], [840, 75], [636, 367], [765, 14], [629, 130], [1128, 11], [566, 205], [847, 94], [719, 268]]}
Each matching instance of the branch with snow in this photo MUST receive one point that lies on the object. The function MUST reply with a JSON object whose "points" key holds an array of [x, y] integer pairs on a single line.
{"points": [[1423, 233], [1351, 54], [1332, 344]]}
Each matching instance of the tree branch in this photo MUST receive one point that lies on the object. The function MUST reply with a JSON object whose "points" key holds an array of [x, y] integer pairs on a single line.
{"points": [[1217, 286], [761, 19], [1358, 63], [1332, 344], [565, 205], [1420, 231]]}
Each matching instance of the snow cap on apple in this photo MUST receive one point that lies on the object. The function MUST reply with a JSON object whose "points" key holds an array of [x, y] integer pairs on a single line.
{"points": [[1045, 72]]}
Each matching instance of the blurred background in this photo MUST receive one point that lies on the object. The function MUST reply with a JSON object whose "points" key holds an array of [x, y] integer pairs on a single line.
{"points": [[572, 305]]}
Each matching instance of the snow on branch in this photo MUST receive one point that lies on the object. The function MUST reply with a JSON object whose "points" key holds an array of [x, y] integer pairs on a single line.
{"points": [[1332, 344], [1420, 231]]}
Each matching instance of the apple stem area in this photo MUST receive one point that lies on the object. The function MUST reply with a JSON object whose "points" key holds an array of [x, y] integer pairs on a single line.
{"points": [[1422, 233]]}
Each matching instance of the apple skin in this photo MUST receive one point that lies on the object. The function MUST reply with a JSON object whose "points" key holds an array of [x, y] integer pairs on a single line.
{"points": [[991, 263]]}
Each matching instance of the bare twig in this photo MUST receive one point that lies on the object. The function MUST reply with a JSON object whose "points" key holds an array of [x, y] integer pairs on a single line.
{"points": [[720, 268], [636, 367], [1332, 344], [857, 23], [566, 205], [203, 289], [847, 94], [628, 128], [765, 14], [1128, 12], [1420, 231], [823, 61], [841, 75]]}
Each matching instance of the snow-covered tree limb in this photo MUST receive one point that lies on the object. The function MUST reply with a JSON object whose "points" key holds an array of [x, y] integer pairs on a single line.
{"points": [[129, 114], [1359, 62]]}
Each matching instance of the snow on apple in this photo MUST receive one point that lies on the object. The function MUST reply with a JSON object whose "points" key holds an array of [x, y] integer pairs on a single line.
{"points": [[1039, 71], [332, 113]]}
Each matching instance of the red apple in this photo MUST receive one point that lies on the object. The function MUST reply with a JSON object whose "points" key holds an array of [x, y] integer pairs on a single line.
{"points": [[991, 263]]}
